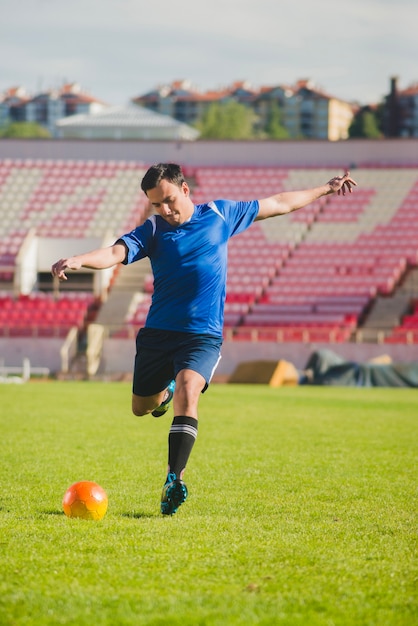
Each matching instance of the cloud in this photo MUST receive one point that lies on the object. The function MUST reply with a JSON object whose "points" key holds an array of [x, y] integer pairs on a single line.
{"points": [[120, 49]]}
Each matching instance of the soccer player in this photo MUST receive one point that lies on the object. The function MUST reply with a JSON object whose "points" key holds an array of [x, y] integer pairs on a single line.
{"points": [[179, 347]]}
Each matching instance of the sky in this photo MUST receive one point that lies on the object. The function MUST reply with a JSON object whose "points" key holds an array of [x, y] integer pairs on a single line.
{"points": [[119, 49]]}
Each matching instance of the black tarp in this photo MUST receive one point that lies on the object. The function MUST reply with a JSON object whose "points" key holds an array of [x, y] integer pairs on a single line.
{"points": [[325, 367]]}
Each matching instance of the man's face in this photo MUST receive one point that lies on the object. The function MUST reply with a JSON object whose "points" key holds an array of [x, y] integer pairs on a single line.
{"points": [[172, 203]]}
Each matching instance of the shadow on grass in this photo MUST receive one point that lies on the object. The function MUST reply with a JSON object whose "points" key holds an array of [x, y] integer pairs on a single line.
{"points": [[130, 514], [139, 515], [52, 512]]}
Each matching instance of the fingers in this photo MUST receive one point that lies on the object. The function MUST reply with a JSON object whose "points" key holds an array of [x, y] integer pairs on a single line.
{"points": [[348, 180], [58, 269], [347, 184], [342, 184]]}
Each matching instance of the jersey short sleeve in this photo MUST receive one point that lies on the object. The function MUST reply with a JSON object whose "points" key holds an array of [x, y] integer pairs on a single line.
{"points": [[238, 215], [139, 242]]}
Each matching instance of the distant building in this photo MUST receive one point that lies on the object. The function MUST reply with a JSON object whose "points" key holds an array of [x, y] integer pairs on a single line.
{"points": [[307, 112], [12, 105], [129, 122], [400, 111], [313, 114], [47, 107], [187, 104]]}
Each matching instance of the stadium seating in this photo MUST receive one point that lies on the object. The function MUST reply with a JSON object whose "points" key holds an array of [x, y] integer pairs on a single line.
{"points": [[41, 315], [313, 273], [67, 199], [339, 253]]}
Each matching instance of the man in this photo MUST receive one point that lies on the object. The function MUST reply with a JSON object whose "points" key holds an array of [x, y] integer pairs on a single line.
{"points": [[179, 347]]}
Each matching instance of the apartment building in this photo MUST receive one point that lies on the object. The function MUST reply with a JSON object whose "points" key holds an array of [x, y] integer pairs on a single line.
{"points": [[307, 112], [400, 112], [47, 107]]}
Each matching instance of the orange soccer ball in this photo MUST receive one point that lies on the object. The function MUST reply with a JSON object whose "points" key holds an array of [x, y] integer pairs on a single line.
{"points": [[85, 500]]}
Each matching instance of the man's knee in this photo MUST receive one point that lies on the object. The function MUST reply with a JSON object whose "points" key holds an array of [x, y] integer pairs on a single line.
{"points": [[144, 405], [140, 408], [138, 412]]}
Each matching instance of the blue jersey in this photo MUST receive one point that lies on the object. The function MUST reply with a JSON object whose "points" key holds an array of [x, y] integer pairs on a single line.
{"points": [[189, 263]]}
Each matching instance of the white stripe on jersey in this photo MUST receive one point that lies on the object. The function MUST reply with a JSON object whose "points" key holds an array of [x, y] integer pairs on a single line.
{"points": [[213, 206], [153, 220]]}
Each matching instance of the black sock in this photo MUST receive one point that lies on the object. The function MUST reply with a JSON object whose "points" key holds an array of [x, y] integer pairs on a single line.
{"points": [[182, 435]]}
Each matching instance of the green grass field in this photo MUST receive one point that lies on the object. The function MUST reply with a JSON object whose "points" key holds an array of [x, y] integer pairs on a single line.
{"points": [[302, 509]]}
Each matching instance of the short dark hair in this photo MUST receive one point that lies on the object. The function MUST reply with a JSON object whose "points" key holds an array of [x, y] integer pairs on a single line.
{"points": [[162, 171]]}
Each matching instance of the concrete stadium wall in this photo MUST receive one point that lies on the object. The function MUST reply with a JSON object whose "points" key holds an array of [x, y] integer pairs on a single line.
{"points": [[40, 352], [313, 153], [235, 352], [118, 354]]}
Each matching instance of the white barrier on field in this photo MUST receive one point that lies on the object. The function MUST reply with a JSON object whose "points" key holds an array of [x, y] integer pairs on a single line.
{"points": [[21, 374]]}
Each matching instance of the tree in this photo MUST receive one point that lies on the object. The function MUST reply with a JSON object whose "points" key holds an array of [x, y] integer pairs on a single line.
{"points": [[365, 124], [25, 130], [274, 128], [228, 120]]}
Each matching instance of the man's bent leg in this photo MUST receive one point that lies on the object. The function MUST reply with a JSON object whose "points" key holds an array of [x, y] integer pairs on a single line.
{"points": [[166, 403], [143, 405]]}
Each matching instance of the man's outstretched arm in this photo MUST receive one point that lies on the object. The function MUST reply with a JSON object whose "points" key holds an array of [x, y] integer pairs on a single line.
{"points": [[96, 259], [288, 201]]}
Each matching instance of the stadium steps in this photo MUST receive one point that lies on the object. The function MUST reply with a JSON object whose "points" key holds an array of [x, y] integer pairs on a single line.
{"points": [[77, 370], [387, 312], [410, 284], [129, 280]]}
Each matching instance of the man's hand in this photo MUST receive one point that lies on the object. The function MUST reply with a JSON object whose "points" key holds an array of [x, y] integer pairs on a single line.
{"points": [[58, 269], [341, 184]]}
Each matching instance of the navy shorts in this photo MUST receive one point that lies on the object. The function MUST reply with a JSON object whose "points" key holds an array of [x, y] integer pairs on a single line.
{"points": [[161, 354]]}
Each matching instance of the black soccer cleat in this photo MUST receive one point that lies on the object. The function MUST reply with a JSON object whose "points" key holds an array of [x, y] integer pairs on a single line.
{"points": [[173, 495]]}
